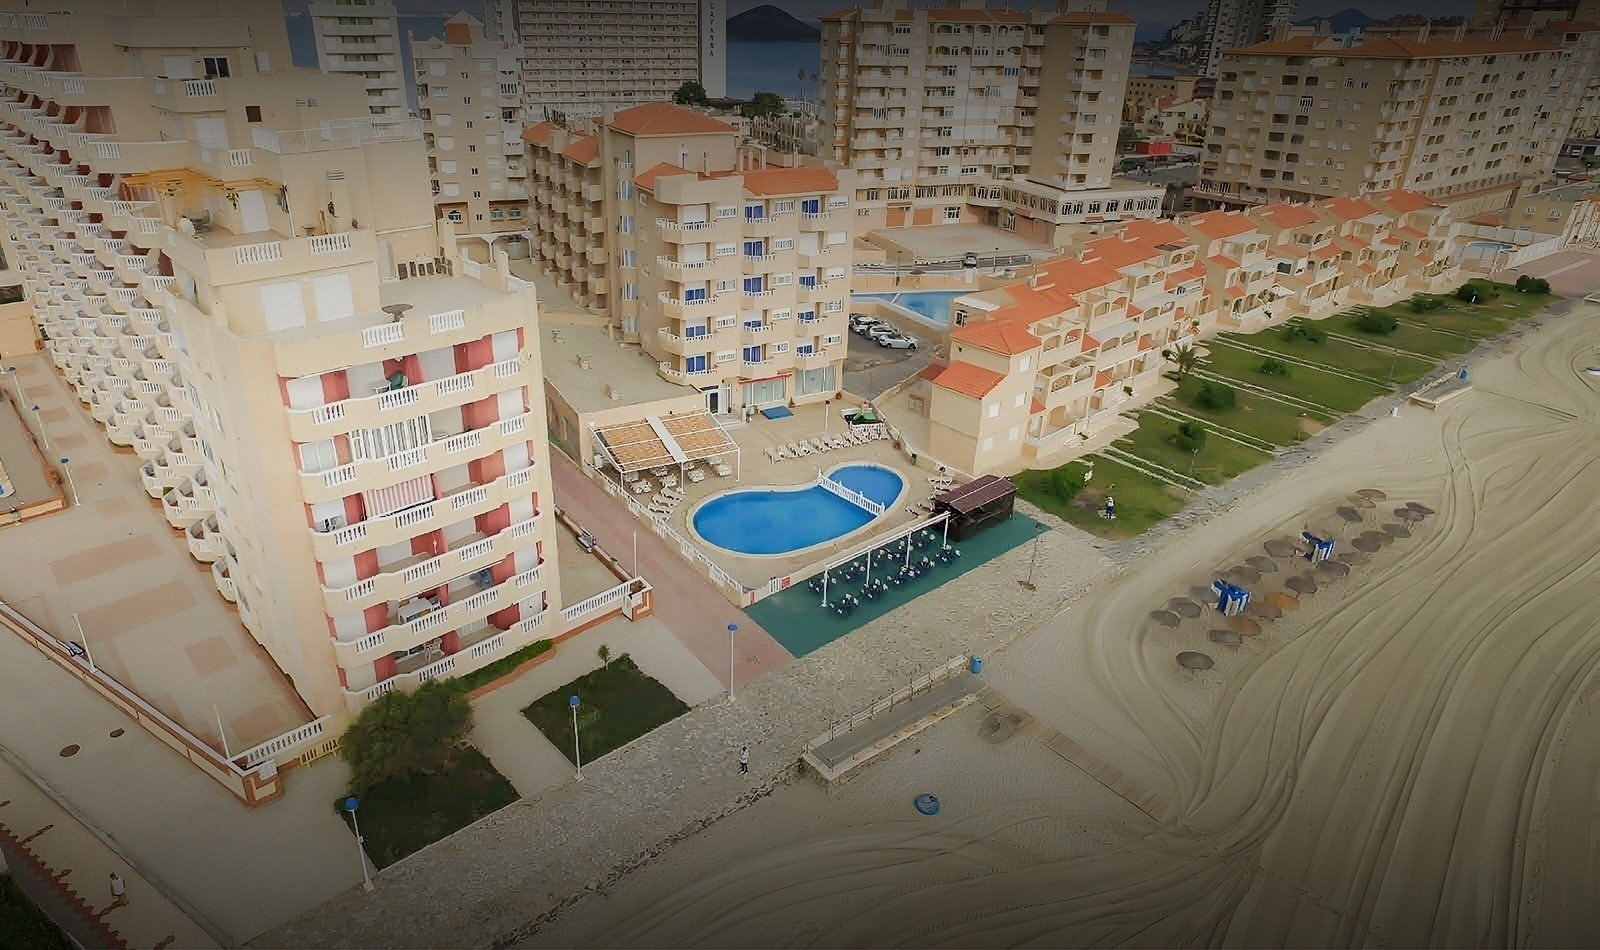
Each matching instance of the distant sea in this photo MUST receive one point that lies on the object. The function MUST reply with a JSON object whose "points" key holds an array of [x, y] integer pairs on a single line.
{"points": [[771, 67]]}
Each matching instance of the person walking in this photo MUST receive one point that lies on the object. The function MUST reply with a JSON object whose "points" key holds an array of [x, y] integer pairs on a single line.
{"points": [[119, 890], [744, 760]]}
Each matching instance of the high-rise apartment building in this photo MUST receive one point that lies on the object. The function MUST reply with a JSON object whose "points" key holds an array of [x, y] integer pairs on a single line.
{"points": [[1517, 12], [1231, 23], [362, 38], [950, 113], [732, 273], [1443, 114], [580, 57], [470, 101], [242, 278]]}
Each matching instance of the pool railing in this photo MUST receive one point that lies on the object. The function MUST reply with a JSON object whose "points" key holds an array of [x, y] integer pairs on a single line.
{"points": [[850, 495]]}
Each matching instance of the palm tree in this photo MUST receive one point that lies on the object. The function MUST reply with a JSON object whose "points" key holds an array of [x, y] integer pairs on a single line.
{"points": [[1185, 358]]}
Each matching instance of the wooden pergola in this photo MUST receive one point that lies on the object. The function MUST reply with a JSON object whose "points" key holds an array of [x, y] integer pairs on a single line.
{"points": [[660, 441]]}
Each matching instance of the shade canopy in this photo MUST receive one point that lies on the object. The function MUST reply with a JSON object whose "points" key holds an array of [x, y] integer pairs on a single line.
{"points": [[655, 441]]}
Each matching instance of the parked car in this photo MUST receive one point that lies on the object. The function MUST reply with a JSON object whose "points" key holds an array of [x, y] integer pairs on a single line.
{"points": [[971, 260], [897, 341], [861, 323], [880, 329]]}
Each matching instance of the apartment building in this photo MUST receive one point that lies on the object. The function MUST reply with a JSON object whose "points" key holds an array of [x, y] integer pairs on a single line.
{"points": [[469, 98], [1493, 12], [1447, 115], [216, 266], [940, 111], [580, 57], [1038, 366], [1147, 92], [1233, 23], [733, 273], [361, 38]]}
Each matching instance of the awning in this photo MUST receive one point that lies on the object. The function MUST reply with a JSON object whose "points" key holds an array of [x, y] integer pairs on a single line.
{"points": [[655, 441], [976, 494]]}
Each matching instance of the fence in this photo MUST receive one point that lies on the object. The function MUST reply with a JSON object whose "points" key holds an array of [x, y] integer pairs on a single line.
{"points": [[742, 595], [597, 603], [850, 495], [293, 739], [904, 694]]}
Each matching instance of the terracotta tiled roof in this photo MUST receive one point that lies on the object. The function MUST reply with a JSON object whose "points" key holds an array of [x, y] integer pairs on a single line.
{"points": [[1287, 215], [1409, 231], [1491, 218], [1104, 16], [1223, 261], [1145, 343], [932, 370], [665, 118], [986, 15], [583, 150], [1002, 336], [838, 15], [1221, 224], [1102, 379], [1155, 232], [1403, 201], [1349, 209], [1115, 252], [1197, 272], [1367, 269], [1325, 252], [1235, 291], [969, 379], [808, 179], [1134, 311], [1391, 239], [647, 179], [1089, 343], [1035, 407], [539, 134]]}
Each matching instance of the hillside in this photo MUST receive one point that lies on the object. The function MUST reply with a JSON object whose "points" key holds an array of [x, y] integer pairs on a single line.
{"points": [[768, 24], [1343, 21]]}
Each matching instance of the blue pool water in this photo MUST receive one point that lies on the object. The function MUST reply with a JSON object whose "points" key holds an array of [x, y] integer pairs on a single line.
{"points": [[931, 305], [785, 520]]}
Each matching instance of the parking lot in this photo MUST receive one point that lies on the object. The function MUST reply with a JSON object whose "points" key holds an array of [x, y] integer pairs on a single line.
{"points": [[869, 369]]}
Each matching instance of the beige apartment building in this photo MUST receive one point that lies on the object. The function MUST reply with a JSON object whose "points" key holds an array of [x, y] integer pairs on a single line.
{"points": [[361, 38], [732, 273], [1450, 114], [1234, 23], [1038, 366], [242, 279], [469, 98], [581, 57], [949, 114]]}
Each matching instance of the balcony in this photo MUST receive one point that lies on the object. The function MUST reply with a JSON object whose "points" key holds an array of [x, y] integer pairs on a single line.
{"points": [[406, 577], [188, 503], [673, 306], [399, 637], [686, 345], [366, 412], [370, 474], [205, 541], [471, 656], [346, 540], [670, 266]]}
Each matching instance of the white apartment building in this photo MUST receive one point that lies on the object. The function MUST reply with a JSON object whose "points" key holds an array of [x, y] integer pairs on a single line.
{"points": [[216, 267], [733, 274], [1449, 115], [470, 102], [950, 113], [580, 57], [1232, 23], [362, 38]]}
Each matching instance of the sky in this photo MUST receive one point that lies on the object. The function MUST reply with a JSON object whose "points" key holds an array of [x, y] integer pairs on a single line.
{"points": [[1145, 11]]}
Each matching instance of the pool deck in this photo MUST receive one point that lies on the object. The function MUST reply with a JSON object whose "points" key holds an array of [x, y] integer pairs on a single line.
{"points": [[758, 471]]}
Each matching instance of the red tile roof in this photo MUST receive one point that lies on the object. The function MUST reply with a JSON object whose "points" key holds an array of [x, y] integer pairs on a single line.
{"points": [[1223, 261], [1235, 291], [932, 370], [1325, 252], [1104, 16], [1102, 378], [1403, 201], [1221, 224], [539, 134], [806, 179], [665, 118], [1287, 215], [647, 179], [1007, 337], [1145, 343], [969, 379], [1349, 209], [1035, 407], [1089, 343], [583, 150]]}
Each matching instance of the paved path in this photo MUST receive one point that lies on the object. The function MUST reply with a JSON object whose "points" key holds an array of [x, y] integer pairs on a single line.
{"points": [[685, 601]]}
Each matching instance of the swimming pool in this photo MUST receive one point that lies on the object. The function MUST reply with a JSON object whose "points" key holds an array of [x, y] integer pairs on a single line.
{"points": [[931, 305], [771, 521]]}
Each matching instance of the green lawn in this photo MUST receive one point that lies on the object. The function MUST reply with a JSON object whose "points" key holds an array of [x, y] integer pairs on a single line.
{"points": [[1217, 461], [488, 674], [1453, 328], [401, 816], [1337, 353], [1142, 501], [1268, 419], [1323, 389], [618, 704], [23, 924]]}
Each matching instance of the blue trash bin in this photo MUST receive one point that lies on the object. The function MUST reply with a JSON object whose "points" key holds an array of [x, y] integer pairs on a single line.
{"points": [[977, 664]]}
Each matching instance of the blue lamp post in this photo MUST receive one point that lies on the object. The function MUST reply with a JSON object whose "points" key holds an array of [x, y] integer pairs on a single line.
{"points": [[733, 628], [70, 485], [577, 756], [350, 805]]}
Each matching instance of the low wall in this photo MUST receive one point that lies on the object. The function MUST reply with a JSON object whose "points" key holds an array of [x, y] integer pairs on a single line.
{"points": [[18, 336]]}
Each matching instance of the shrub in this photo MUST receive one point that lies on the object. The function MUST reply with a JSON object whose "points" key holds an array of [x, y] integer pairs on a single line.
{"points": [[1423, 303], [404, 733], [1532, 285], [1304, 331], [1377, 321], [1190, 437], [1272, 366], [1214, 395], [1474, 292], [1065, 483]]}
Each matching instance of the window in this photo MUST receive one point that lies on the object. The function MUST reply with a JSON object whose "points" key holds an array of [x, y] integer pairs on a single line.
{"points": [[516, 212], [952, 213], [454, 216], [252, 113], [466, 100], [752, 285], [477, 194], [471, 148], [628, 257], [993, 410], [752, 354], [473, 171], [694, 364], [625, 224], [630, 291], [216, 66]]}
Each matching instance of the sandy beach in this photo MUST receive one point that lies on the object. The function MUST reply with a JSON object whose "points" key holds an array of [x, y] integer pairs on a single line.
{"points": [[1387, 765]]}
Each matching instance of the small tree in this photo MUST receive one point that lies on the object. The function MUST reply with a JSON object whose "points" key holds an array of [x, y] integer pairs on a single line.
{"points": [[1304, 331], [604, 653], [1272, 366], [1423, 303], [1215, 395], [1064, 484], [691, 93], [1532, 285], [405, 733], [1190, 436], [765, 105], [1380, 322], [1185, 358]]}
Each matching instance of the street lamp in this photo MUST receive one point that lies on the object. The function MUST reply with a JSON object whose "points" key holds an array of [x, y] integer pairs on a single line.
{"points": [[577, 757], [38, 423], [733, 628], [16, 383], [350, 805], [71, 487], [996, 260]]}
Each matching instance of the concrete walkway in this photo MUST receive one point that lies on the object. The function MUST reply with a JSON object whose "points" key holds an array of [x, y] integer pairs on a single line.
{"points": [[522, 753], [685, 602]]}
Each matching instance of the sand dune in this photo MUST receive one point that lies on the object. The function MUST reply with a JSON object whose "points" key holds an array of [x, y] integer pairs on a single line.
{"points": [[1387, 765]]}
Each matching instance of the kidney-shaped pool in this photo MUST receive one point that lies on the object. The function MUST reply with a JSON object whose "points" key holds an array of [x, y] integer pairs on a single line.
{"points": [[771, 521]]}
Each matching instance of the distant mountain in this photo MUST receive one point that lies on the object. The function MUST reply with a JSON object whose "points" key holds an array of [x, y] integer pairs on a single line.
{"points": [[768, 24], [1343, 22]]}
